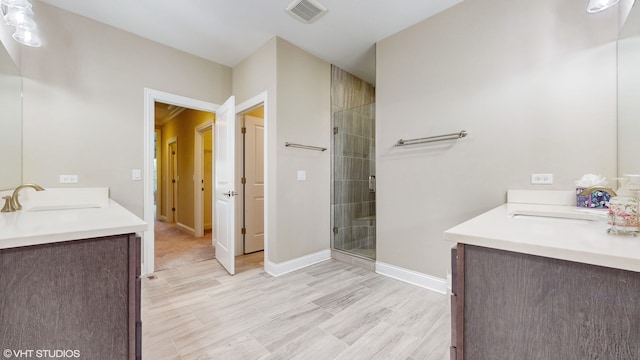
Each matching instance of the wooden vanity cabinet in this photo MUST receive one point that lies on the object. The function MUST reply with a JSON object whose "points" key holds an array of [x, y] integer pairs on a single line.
{"points": [[508, 305], [81, 296]]}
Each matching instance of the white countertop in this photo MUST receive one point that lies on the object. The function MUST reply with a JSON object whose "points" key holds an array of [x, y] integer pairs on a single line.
{"points": [[573, 240], [25, 228]]}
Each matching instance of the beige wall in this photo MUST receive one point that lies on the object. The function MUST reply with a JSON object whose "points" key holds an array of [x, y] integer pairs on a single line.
{"points": [[182, 127], [534, 83], [254, 75], [84, 115], [297, 110], [304, 102], [84, 96]]}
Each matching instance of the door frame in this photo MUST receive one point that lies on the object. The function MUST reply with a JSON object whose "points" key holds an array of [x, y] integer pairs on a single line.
{"points": [[158, 175], [152, 96], [171, 188], [198, 220], [242, 109]]}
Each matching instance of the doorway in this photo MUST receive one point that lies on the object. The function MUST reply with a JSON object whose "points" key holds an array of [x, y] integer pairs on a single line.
{"points": [[185, 214], [203, 178], [152, 96], [252, 190], [152, 195], [354, 196]]}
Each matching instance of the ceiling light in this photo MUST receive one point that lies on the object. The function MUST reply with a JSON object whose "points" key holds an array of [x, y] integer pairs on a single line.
{"points": [[18, 13], [600, 5]]}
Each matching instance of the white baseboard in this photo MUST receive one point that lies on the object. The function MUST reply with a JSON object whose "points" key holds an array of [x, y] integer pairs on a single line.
{"points": [[412, 277], [277, 269], [186, 228]]}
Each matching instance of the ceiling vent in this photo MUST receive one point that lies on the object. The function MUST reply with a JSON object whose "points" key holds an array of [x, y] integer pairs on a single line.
{"points": [[306, 11]]}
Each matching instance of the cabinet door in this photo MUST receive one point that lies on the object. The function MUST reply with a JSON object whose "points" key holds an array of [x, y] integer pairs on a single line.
{"points": [[544, 308], [70, 295]]}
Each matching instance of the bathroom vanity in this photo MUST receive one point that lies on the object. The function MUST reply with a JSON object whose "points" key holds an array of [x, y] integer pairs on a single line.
{"points": [[543, 282], [69, 283]]}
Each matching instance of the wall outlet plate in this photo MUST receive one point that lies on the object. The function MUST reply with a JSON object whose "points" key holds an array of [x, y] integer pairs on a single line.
{"points": [[542, 179], [68, 179]]}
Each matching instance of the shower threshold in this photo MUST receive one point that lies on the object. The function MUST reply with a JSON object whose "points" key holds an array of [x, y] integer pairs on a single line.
{"points": [[356, 259]]}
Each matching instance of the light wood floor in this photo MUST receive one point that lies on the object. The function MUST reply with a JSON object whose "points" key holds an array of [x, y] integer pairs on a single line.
{"points": [[175, 247], [330, 310]]}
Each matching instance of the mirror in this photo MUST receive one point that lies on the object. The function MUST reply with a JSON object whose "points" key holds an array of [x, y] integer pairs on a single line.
{"points": [[10, 122], [629, 94]]}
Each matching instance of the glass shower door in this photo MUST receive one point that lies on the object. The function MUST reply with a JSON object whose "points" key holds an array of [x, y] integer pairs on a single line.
{"points": [[354, 198]]}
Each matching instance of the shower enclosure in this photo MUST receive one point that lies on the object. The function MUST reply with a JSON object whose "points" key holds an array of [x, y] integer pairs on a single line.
{"points": [[354, 192]]}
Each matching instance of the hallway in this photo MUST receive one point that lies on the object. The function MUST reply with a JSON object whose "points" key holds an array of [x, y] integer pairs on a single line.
{"points": [[175, 247]]}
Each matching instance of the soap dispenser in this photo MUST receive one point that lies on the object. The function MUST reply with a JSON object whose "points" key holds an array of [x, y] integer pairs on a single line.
{"points": [[623, 208]]}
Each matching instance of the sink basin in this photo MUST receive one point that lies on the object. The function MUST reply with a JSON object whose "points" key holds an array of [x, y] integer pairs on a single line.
{"points": [[550, 219], [64, 199], [574, 216]]}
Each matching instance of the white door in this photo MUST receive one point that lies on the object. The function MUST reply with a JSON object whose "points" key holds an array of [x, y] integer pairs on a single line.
{"points": [[224, 182], [254, 187]]}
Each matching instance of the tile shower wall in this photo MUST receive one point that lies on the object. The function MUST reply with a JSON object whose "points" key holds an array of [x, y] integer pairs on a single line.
{"points": [[353, 205]]}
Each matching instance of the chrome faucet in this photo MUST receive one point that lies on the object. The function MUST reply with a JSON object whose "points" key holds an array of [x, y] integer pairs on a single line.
{"points": [[15, 203]]}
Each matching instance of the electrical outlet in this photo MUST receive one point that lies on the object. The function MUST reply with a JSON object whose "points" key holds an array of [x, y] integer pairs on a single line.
{"points": [[68, 179], [542, 179]]}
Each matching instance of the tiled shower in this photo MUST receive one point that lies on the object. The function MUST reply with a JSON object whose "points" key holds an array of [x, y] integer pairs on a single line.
{"points": [[354, 169]]}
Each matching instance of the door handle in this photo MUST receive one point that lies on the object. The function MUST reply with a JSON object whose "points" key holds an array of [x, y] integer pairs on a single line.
{"points": [[230, 193]]}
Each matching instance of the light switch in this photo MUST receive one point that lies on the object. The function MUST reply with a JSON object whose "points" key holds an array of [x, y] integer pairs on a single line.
{"points": [[302, 175], [136, 174]]}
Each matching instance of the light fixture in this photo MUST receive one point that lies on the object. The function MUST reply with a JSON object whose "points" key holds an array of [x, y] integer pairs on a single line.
{"points": [[600, 5], [27, 37], [19, 14]]}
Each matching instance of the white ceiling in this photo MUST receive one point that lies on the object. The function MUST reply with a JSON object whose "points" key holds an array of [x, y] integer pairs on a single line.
{"points": [[227, 31]]}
